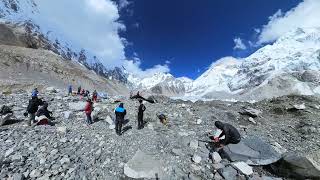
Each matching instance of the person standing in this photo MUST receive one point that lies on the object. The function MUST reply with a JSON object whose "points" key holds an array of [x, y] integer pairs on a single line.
{"points": [[120, 112], [79, 90], [88, 110], [94, 96], [70, 90], [141, 110]]}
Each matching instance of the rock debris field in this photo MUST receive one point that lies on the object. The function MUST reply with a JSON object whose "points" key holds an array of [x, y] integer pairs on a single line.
{"points": [[280, 140]]}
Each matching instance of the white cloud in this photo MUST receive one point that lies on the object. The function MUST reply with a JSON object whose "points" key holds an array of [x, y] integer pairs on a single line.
{"points": [[306, 14], [239, 44], [89, 24], [134, 67], [168, 62], [123, 4]]}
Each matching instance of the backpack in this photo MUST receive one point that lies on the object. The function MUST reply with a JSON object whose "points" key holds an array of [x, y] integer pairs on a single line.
{"points": [[5, 110]]}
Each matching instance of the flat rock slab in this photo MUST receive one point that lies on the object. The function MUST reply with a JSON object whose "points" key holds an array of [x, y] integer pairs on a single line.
{"points": [[228, 173], [251, 150], [143, 165]]}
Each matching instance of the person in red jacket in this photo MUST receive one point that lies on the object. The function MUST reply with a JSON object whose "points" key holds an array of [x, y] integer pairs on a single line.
{"points": [[88, 110]]}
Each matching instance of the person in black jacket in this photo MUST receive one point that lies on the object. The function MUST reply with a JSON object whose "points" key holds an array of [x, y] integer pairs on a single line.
{"points": [[141, 109], [120, 112], [32, 108], [232, 135]]}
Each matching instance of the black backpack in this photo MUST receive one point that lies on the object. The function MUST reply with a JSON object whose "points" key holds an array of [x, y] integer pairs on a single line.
{"points": [[5, 110]]}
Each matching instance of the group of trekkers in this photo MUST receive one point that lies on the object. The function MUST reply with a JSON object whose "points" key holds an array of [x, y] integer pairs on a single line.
{"points": [[229, 134], [83, 93]]}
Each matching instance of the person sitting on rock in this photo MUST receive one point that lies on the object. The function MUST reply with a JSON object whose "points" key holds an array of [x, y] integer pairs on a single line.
{"points": [[232, 135], [120, 112], [88, 110], [141, 110], [32, 108], [43, 115]]}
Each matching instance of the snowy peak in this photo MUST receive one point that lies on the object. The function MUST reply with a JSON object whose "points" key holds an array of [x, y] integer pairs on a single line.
{"points": [[216, 78]]}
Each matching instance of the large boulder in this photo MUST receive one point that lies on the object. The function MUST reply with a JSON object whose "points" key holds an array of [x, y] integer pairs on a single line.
{"points": [[143, 165], [250, 112], [251, 150], [301, 166]]}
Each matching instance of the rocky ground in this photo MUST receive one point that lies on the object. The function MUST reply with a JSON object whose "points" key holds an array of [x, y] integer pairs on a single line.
{"points": [[71, 150]]}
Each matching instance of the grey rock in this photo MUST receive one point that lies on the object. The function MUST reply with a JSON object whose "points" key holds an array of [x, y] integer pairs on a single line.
{"points": [[177, 152], [196, 158], [216, 158], [35, 173], [307, 166], [143, 166], [228, 173], [243, 168], [18, 176], [250, 112], [194, 144], [253, 151]]}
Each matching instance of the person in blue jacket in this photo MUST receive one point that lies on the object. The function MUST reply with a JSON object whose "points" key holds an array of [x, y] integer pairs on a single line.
{"points": [[69, 90], [120, 112]]}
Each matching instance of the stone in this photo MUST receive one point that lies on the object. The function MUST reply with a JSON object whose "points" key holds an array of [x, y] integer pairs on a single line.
{"points": [[217, 176], [143, 165], [64, 160], [199, 121], [17, 157], [250, 112], [77, 106], [109, 120], [5, 118], [35, 173], [270, 178], [54, 151], [299, 106], [67, 114], [243, 168], [51, 89], [195, 167], [196, 159], [252, 120], [194, 144], [8, 152], [216, 158], [251, 150], [303, 166], [62, 129], [177, 152], [228, 173], [218, 166], [17, 176]]}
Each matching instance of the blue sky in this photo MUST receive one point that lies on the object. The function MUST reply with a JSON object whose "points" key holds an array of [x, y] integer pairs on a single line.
{"points": [[192, 34], [182, 37]]}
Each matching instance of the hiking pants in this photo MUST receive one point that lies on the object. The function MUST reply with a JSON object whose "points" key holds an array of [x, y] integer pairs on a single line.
{"points": [[32, 118], [118, 126], [140, 120], [89, 119]]}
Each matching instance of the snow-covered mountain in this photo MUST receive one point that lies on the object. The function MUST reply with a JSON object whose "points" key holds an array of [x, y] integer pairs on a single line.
{"points": [[273, 70], [161, 83]]}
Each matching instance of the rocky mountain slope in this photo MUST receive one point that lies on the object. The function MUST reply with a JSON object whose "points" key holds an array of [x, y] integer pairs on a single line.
{"points": [[25, 68], [19, 17], [71, 150]]}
